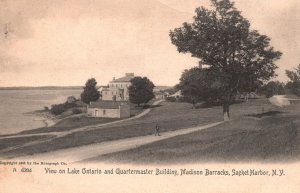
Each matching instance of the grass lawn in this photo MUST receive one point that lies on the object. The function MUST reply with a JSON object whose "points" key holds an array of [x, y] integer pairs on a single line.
{"points": [[252, 134], [170, 116], [71, 123], [6, 143], [76, 121], [292, 96], [273, 137], [135, 110]]}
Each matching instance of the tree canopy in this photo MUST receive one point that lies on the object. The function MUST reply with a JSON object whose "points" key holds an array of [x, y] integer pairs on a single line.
{"points": [[140, 90], [294, 76], [272, 88], [197, 85], [90, 92], [236, 57]]}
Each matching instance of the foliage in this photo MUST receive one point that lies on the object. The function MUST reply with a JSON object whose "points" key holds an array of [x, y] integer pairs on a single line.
{"points": [[294, 76], [198, 85], [58, 109], [272, 88], [90, 92], [238, 58], [172, 90], [295, 88], [289, 85], [71, 99], [140, 90], [76, 111], [171, 99], [190, 85]]}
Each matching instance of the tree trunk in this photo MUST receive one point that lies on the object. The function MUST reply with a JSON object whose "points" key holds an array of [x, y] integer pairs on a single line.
{"points": [[194, 105], [226, 111]]}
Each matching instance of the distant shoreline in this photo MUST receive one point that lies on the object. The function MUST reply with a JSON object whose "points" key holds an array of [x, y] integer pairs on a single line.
{"points": [[58, 87], [42, 88]]}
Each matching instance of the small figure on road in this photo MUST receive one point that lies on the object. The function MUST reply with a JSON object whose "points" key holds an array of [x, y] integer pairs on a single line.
{"points": [[157, 130]]}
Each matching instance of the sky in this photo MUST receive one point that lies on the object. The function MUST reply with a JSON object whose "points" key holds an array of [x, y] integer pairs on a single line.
{"points": [[64, 43]]}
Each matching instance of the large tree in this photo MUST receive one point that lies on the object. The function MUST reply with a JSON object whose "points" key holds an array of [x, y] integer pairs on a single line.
{"points": [[197, 85], [140, 90], [90, 92], [236, 56]]}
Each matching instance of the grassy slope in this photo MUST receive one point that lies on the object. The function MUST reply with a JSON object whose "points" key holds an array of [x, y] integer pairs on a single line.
{"points": [[81, 120], [6, 143], [170, 116], [71, 123], [271, 138]]}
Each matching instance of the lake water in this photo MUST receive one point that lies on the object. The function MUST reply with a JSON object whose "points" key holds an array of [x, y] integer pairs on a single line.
{"points": [[14, 103]]}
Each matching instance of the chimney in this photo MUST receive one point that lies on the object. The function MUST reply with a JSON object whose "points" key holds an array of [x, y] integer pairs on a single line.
{"points": [[200, 64], [129, 74]]}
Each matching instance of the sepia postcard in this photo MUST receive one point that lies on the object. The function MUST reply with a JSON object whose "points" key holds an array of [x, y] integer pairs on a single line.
{"points": [[150, 96]]}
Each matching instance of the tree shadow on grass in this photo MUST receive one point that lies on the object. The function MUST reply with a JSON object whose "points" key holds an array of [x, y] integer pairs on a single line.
{"points": [[151, 106], [205, 105], [265, 114]]}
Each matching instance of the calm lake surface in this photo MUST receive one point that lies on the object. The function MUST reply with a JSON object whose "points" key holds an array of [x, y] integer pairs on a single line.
{"points": [[14, 103]]}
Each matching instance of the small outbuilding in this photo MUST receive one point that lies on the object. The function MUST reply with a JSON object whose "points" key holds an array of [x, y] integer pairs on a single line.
{"points": [[161, 95], [109, 109]]}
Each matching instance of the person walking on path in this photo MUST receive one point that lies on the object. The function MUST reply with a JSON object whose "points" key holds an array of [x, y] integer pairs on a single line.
{"points": [[157, 130]]}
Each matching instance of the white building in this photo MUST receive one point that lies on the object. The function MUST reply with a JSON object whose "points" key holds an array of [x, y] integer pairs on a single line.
{"points": [[118, 89], [109, 109]]}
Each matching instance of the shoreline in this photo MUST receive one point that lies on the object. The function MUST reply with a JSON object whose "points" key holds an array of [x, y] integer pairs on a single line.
{"points": [[43, 116], [47, 122], [40, 120]]}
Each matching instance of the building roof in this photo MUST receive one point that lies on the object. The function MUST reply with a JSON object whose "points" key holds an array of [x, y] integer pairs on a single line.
{"points": [[106, 104], [126, 78]]}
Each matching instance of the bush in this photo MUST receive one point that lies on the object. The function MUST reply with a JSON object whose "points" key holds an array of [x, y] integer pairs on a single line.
{"points": [[58, 109], [69, 105], [76, 111], [171, 99], [180, 99], [296, 88]]}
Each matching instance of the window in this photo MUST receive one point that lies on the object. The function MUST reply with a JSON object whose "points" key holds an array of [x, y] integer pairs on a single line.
{"points": [[104, 112]]}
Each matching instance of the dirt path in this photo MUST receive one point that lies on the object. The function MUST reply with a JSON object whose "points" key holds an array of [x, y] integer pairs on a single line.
{"points": [[77, 154]]}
